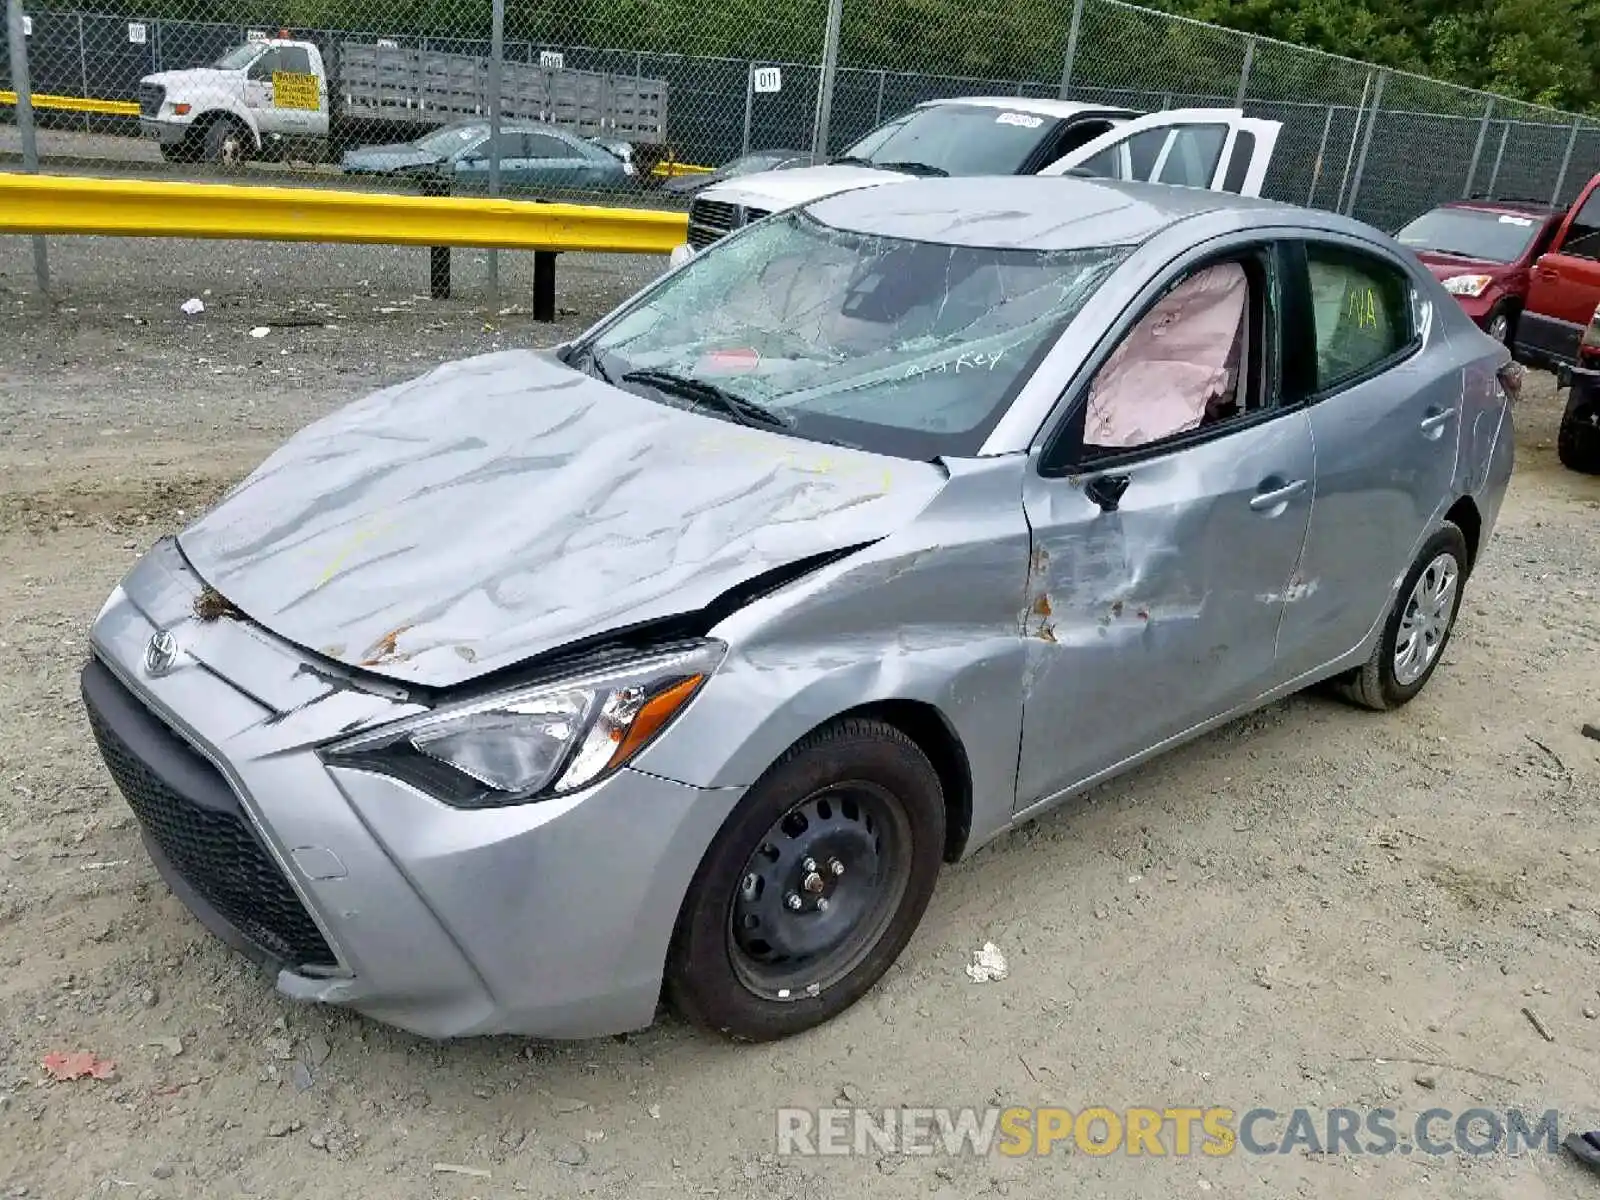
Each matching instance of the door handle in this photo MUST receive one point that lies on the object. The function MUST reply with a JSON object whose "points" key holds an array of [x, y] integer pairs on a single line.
{"points": [[1549, 274], [1435, 420], [1266, 501]]}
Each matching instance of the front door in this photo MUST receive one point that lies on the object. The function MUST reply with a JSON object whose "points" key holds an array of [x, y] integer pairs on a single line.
{"points": [[1167, 517], [1386, 436], [1216, 148], [1565, 289]]}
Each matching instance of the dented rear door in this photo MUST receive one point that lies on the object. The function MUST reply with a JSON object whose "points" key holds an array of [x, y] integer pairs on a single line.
{"points": [[1152, 617]]}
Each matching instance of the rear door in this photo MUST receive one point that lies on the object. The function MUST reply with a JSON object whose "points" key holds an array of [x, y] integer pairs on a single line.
{"points": [[1216, 148], [1565, 288]]}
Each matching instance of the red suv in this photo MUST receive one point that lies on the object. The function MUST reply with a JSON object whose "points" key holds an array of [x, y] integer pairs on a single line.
{"points": [[1483, 252], [1566, 287]]}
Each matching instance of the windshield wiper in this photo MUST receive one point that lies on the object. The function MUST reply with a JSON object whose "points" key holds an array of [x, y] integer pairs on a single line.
{"points": [[913, 168], [709, 395], [585, 352], [851, 160]]}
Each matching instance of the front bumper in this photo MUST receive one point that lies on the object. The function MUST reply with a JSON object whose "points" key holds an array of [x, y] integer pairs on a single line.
{"points": [[168, 133], [549, 919]]}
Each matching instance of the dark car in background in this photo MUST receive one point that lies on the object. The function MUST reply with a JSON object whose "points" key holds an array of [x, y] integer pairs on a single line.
{"points": [[531, 155], [745, 164], [1483, 252]]}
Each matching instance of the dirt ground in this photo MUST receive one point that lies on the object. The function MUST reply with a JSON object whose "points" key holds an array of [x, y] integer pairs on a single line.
{"points": [[1314, 907]]}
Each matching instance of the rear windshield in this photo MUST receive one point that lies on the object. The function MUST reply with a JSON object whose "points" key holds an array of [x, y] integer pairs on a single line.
{"points": [[1473, 233], [956, 139], [913, 349]]}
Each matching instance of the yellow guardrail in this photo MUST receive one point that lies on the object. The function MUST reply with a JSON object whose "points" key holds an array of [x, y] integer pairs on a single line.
{"points": [[110, 108], [667, 170], [145, 208]]}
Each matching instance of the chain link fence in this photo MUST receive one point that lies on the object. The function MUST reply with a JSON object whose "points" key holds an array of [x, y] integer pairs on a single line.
{"points": [[607, 100]]}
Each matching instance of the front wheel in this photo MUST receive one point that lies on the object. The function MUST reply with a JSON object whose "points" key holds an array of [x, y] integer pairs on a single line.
{"points": [[225, 143], [1418, 627], [813, 886], [1501, 325]]}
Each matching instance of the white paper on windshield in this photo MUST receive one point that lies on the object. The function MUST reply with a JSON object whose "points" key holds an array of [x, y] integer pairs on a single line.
{"points": [[1516, 221], [1022, 119]]}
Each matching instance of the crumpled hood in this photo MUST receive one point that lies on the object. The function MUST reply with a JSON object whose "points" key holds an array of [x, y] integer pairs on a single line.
{"points": [[502, 506], [397, 157], [774, 190]]}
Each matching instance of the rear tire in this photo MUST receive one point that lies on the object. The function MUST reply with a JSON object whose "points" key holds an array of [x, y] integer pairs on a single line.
{"points": [[1578, 440], [812, 887], [1418, 627]]}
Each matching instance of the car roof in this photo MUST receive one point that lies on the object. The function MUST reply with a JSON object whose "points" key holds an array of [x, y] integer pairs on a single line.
{"points": [[1537, 208], [1029, 104], [1036, 212]]}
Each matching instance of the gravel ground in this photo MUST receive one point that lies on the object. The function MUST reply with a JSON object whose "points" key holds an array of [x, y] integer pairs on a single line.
{"points": [[1313, 907]]}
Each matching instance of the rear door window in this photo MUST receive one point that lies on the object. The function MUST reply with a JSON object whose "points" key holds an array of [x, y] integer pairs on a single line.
{"points": [[1361, 313], [1583, 235]]}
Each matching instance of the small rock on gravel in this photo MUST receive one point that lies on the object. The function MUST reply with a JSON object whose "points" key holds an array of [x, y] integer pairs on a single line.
{"points": [[1427, 1079], [161, 1171], [571, 1155]]}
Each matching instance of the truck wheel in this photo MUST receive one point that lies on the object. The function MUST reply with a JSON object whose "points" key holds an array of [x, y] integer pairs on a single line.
{"points": [[225, 142], [1578, 440], [812, 887], [178, 152]]}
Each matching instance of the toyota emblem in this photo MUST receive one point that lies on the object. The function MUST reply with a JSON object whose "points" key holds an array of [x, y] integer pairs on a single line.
{"points": [[161, 653]]}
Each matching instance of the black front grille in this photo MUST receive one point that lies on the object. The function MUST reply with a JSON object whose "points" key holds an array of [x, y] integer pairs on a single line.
{"points": [[709, 220], [755, 214], [151, 97], [201, 829]]}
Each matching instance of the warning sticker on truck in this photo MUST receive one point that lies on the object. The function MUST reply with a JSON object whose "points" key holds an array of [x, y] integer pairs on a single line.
{"points": [[290, 89]]}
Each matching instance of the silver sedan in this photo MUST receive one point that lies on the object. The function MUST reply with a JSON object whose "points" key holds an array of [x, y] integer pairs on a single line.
{"points": [[678, 660]]}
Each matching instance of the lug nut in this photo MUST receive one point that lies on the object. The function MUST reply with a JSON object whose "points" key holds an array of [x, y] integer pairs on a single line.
{"points": [[836, 867], [813, 883], [822, 904], [808, 865], [793, 900]]}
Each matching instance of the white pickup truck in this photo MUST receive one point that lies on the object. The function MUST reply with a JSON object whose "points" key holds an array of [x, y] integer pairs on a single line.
{"points": [[257, 96], [270, 95], [1217, 148]]}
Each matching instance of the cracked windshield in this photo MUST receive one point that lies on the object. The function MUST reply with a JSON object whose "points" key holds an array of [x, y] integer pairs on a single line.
{"points": [[899, 347], [953, 139]]}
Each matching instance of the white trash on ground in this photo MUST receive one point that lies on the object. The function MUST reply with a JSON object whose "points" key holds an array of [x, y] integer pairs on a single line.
{"points": [[260, 331], [987, 965], [194, 307]]}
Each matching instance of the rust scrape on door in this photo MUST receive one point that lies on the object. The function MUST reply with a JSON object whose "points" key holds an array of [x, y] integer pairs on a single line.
{"points": [[1037, 615]]}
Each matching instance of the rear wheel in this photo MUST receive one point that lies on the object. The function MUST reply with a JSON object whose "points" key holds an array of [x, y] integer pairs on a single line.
{"points": [[1418, 628], [1578, 440], [813, 886]]}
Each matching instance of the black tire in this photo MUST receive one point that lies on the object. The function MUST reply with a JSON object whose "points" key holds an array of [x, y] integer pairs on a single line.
{"points": [[178, 152], [709, 977], [218, 136], [1374, 685], [1503, 311], [1578, 439]]}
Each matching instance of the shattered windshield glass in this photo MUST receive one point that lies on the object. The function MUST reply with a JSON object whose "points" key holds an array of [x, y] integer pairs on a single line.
{"points": [[955, 139], [913, 349]]}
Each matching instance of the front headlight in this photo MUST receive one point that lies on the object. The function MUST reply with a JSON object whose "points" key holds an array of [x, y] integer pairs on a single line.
{"points": [[539, 741], [1468, 285]]}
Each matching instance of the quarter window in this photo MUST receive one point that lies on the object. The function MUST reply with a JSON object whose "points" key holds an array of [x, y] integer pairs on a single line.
{"points": [[1361, 312]]}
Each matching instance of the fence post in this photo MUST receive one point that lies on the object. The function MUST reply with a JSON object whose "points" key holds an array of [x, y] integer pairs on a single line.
{"points": [[25, 130], [1322, 150], [749, 103], [1494, 174], [497, 55], [1477, 149], [1366, 144], [830, 68], [1355, 133], [1244, 72], [83, 73], [877, 114], [1566, 161], [1072, 50]]}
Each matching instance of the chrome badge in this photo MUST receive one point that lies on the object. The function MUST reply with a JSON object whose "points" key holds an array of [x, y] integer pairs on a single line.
{"points": [[161, 653]]}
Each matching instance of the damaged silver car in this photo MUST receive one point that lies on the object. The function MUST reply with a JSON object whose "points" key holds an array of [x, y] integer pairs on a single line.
{"points": [[676, 661]]}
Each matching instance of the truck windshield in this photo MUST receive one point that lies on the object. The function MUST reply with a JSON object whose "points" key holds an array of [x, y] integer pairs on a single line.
{"points": [[908, 348], [239, 57], [1472, 233], [956, 139]]}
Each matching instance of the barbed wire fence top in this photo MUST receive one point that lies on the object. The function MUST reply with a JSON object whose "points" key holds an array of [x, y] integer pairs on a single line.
{"points": [[599, 99]]}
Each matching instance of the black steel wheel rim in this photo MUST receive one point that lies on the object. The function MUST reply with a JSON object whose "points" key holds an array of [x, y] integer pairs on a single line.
{"points": [[819, 890]]}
